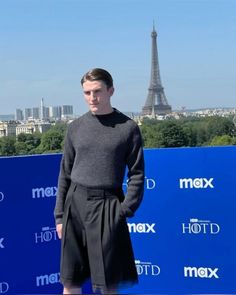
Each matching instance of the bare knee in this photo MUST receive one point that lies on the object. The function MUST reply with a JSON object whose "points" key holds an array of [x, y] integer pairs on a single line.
{"points": [[71, 290]]}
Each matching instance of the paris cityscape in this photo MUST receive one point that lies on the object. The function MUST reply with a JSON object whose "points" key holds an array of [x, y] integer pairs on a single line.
{"points": [[154, 109], [156, 106]]}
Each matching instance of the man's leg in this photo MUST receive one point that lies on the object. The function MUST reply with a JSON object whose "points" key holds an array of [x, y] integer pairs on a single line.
{"points": [[74, 257], [72, 290]]}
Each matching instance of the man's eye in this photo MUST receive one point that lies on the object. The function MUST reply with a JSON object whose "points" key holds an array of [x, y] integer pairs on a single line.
{"points": [[87, 92]]}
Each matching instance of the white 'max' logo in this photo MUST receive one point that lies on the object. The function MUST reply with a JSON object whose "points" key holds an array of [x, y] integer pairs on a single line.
{"points": [[52, 278], [141, 227], [201, 272], [196, 183], [42, 192]]}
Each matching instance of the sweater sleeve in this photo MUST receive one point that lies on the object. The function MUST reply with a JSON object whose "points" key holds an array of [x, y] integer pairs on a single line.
{"points": [[135, 164], [64, 178]]}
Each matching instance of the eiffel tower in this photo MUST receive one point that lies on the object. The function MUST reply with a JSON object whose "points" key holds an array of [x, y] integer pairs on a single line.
{"points": [[156, 102]]}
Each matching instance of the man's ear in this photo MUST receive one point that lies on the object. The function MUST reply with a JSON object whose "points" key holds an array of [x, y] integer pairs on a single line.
{"points": [[111, 90]]}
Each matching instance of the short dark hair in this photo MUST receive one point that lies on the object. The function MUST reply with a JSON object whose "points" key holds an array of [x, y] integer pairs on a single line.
{"points": [[98, 74]]}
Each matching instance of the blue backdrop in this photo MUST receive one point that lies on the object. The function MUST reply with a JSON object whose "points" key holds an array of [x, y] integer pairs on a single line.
{"points": [[183, 234]]}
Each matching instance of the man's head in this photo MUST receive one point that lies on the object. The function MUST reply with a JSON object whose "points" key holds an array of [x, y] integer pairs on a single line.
{"points": [[98, 88], [98, 74]]}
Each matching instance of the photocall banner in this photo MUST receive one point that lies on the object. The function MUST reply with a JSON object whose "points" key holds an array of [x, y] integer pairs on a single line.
{"points": [[183, 234]]}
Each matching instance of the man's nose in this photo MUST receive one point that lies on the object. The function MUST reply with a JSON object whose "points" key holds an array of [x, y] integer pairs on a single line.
{"points": [[92, 96]]}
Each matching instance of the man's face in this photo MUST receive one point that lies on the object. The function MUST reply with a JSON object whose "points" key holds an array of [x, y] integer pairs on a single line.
{"points": [[98, 96]]}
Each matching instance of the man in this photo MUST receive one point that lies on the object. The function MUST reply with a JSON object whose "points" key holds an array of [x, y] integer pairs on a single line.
{"points": [[91, 209]]}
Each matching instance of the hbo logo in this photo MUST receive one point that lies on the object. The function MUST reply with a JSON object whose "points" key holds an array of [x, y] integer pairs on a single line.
{"points": [[197, 228], [147, 268], [46, 235]]}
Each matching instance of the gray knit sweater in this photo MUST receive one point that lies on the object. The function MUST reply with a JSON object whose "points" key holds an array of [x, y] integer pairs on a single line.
{"points": [[97, 150]]}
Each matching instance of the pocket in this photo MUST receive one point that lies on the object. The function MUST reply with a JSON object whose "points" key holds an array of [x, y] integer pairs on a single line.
{"points": [[122, 215]]}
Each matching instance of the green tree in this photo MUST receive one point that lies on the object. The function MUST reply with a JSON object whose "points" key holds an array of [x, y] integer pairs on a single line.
{"points": [[171, 134], [60, 126], [201, 134], [190, 134], [27, 143], [7, 146], [222, 140], [218, 126], [51, 141], [21, 148], [150, 135]]}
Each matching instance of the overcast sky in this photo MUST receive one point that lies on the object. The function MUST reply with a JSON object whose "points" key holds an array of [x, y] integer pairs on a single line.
{"points": [[47, 45]]}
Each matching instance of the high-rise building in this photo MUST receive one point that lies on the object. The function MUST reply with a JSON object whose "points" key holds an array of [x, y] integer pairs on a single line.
{"points": [[42, 113], [36, 113], [156, 102], [46, 113], [28, 113], [67, 111], [55, 112], [19, 115]]}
